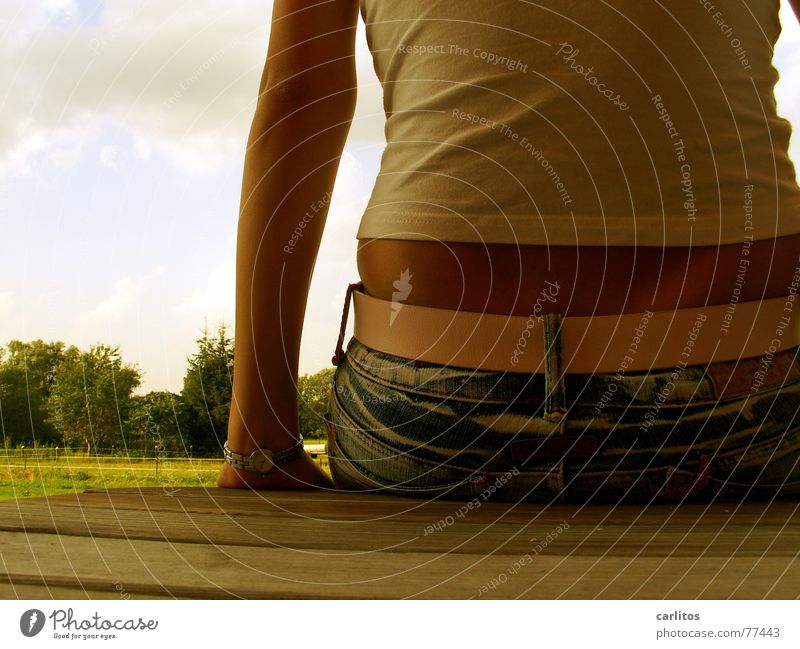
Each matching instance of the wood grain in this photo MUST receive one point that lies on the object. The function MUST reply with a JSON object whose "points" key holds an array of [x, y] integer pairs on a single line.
{"points": [[213, 543]]}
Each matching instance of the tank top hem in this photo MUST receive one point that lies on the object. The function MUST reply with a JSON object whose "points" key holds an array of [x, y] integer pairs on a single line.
{"points": [[557, 230]]}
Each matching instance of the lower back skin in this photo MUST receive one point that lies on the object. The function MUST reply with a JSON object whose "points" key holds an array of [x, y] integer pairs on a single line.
{"points": [[591, 280]]}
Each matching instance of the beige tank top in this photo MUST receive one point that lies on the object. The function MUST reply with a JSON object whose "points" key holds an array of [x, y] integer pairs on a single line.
{"points": [[622, 122]]}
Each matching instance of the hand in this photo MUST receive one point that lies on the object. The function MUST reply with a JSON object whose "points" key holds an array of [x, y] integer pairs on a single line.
{"points": [[301, 473]]}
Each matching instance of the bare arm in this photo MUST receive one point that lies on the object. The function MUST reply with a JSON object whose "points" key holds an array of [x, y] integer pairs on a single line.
{"points": [[305, 108]]}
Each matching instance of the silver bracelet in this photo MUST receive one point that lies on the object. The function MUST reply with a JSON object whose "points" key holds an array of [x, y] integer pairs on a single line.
{"points": [[263, 461]]}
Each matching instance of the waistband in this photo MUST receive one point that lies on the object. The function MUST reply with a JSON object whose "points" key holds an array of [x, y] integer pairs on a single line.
{"points": [[588, 344]]}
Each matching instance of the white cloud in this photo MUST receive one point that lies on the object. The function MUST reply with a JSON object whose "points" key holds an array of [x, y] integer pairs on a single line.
{"points": [[165, 71], [7, 302], [121, 302], [142, 148], [787, 90], [62, 147], [69, 7], [183, 80], [216, 298], [117, 305], [108, 156], [26, 142]]}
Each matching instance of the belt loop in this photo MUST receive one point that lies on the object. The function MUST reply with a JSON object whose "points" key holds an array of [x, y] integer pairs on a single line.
{"points": [[555, 400], [338, 354]]}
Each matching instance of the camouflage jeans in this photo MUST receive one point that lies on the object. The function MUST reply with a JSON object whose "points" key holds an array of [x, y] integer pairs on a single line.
{"points": [[724, 431]]}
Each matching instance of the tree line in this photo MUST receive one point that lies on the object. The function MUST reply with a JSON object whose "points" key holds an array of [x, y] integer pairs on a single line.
{"points": [[54, 395]]}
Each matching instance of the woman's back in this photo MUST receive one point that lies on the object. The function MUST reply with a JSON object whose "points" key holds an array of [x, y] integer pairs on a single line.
{"points": [[667, 133], [592, 123]]}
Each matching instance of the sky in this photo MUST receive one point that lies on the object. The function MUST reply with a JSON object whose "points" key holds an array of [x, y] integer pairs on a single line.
{"points": [[123, 128]]}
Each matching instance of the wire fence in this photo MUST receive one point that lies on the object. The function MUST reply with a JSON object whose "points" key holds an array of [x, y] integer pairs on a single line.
{"points": [[55, 453], [111, 458]]}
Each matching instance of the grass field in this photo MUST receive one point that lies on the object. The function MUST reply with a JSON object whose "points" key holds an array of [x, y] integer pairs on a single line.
{"points": [[47, 476]]}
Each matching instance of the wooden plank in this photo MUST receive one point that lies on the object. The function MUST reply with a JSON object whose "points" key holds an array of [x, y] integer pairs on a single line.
{"points": [[88, 587], [32, 587], [357, 507], [212, 543], [279, 528], [187, 570]]}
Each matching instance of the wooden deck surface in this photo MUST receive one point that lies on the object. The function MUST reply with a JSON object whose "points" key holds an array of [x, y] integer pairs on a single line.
{"points": [[214, 543]]}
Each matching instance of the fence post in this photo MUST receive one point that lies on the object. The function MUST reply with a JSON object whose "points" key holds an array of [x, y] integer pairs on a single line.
{"points": [[56, 453], [24, 459]]}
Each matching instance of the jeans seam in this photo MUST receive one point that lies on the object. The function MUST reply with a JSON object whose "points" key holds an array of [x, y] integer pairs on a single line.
{"points": [[646, 405], [358, 366], [378, 483], [367, 440]]}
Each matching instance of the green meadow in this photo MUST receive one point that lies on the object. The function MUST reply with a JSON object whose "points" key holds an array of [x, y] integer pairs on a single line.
{"points": [[47, 476]]}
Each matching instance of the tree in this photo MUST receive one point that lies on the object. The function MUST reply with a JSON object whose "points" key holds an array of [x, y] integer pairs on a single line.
{"points": [[313, 393], [26, 375], [153, 422], [207, 393], [39, 360], [22, 410], [90, 396]]}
